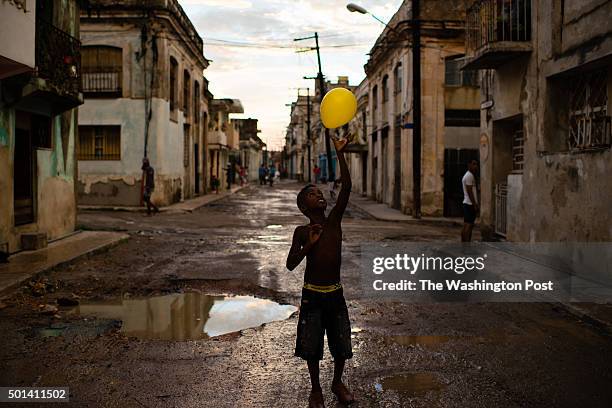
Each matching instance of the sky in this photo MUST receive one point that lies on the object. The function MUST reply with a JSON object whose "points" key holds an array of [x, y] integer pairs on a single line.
{"points": [[254, 59]]}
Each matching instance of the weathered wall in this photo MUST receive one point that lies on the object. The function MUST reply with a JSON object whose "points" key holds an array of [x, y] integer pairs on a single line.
{"points": [[559, 196], [54, 201], [17, 32]]}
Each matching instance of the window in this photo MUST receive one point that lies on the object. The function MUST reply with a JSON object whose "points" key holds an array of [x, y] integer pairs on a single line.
{"points": [[454, 76], [173, 78], [462, 117], [102, 71], [398, 75], [41, 132], [99, 143], [589, 122], [196, 101], [385, 88], [518, 156], [374, 104], [186, 93]]}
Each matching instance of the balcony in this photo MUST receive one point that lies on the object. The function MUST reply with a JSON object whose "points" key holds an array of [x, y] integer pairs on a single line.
{"points": [[497, 31], [57, 83], [102, 82]]}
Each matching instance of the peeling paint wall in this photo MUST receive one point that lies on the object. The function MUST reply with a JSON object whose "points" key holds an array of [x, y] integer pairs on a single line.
{"points": [[560, 196], [118, 182], [54, 202]]}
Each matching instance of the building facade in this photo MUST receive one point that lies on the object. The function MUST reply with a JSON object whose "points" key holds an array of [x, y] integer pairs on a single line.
{"points": [[251, 147], [145, 93], [223, 140], [40, 89], [449, 110], [545, 123]]}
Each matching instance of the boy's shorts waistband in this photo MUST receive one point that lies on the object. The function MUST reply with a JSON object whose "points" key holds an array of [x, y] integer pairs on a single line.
{"points": [[323, 288]]}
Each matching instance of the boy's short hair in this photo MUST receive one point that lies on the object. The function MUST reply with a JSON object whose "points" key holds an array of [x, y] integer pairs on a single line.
{"points": [[302, 195]]}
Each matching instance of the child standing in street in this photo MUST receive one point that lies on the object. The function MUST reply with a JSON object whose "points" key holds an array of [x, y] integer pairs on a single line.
{"points": [[323, 308]]}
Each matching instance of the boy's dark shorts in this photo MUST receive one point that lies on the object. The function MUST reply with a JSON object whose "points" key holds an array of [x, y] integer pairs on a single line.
{"points": [[322, 313], [469, 214]]}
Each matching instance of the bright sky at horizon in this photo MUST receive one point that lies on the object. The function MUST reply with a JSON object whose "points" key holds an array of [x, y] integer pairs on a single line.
{"points": [[250, 43]]}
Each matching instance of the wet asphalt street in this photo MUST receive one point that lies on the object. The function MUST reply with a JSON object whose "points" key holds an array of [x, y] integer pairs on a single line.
{"points": [[159, 317]]}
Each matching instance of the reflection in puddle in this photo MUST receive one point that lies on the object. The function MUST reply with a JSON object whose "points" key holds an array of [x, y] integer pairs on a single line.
{"points": [[188, 316], [274, 226], [426, 341], [413, 385]]}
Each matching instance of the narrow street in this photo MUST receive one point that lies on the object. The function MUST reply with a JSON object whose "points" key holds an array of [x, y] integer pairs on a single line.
{"points": [[135, 338]]}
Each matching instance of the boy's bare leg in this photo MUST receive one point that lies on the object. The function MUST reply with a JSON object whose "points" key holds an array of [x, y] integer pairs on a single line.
{"points": [[338, 388], [316, 394]]}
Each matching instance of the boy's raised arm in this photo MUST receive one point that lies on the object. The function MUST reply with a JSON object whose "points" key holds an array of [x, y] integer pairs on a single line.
{"points": [[345, 178]]}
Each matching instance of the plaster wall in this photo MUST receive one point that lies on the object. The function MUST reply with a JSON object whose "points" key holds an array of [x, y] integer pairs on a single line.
{"points": [[54, 194], [18, 32]]}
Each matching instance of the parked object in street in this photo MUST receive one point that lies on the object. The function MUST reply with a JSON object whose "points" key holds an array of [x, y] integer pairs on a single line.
{"points": [[323, 308]]}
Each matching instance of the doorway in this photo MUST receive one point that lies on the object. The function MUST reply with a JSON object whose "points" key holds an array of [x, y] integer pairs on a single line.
{"points": [[384, 163], [455, 166], [23, 170], [397, 168], [196, 165]]}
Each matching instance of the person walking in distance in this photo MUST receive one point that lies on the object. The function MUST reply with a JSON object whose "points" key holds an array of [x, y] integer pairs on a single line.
{"points": [[149, 185], [470, 201]]}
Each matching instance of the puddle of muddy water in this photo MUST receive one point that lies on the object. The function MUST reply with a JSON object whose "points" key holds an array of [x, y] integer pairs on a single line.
{"points": [[425, 341], [187, 316], [412, 385]]}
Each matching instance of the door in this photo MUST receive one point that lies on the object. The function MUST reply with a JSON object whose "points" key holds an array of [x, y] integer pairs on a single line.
{"points": [[23, 171], [455, 166], [364, 173], [196, 165], [385, 165], [397, 168]]}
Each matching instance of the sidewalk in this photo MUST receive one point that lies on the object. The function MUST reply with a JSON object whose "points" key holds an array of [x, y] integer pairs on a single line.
{"points": [[189, 205], [383, 212], [27, 264]]}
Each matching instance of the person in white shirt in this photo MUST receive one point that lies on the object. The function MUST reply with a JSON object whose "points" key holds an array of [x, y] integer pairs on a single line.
{"points": [[470, 201]]}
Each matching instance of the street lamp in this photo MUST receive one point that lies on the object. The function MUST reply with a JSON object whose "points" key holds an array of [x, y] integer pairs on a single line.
{"points": [[416, 98], [354, 8]]}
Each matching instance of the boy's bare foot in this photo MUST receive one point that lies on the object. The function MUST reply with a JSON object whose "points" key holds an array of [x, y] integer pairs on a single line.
{"points": [[316, 399], [342, 393]]}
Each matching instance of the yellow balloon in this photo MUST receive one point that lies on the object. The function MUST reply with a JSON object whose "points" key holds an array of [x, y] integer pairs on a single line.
{"points": [[338, 108]]}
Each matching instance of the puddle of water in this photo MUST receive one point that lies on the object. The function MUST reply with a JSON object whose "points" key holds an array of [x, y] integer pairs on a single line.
{"points": [[426, 341], [413, 385], [187, 316]]}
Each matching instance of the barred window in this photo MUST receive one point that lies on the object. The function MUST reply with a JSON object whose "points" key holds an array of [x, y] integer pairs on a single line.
{"points": [[102, 69], [454, 76], [518, 154], [589, 120], [99, 143]]}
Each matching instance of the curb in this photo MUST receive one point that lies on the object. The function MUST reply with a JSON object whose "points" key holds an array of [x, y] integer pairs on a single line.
{"points": [[587, 317], [441, 222], [94, 251], [214, 197]]}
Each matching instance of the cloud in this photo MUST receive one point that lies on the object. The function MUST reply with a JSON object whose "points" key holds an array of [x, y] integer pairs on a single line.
{"points": [[264, 78]]}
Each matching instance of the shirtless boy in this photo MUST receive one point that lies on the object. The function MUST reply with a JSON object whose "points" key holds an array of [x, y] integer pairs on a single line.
{"points": [[323, 308]]}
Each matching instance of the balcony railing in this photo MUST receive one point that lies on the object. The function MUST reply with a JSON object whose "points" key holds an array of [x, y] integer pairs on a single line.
{"points": [[58, 58], [498, 20], [497, 28], [102, 81]]}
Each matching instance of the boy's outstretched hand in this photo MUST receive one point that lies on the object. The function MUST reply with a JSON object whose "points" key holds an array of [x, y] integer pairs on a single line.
{"points": [[314, 233], [339, 144]]}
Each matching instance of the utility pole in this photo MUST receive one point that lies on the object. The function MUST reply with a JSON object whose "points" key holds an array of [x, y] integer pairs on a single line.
{"points": [[308, 133], [416, 113], [323, 91]]}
